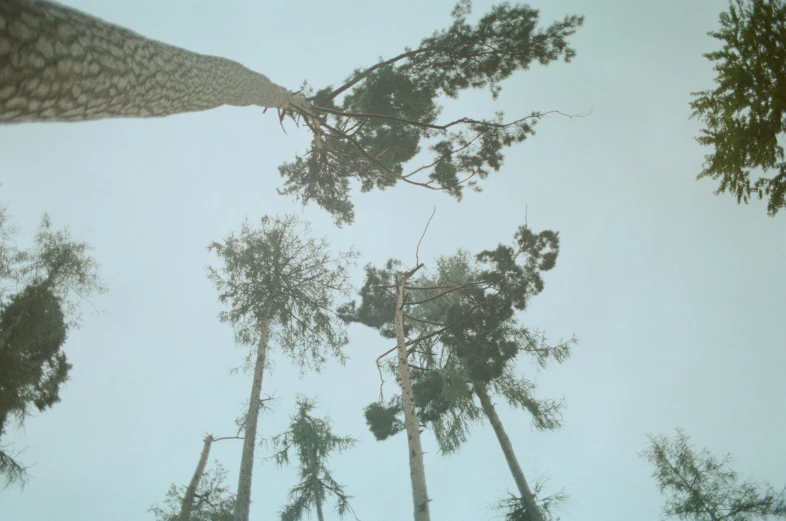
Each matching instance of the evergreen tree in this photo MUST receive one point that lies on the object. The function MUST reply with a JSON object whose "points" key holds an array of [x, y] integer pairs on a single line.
{"points": [[467, 310], [746, 112], [212, 500], [64, 65], [313, 440], [280, 284], [35, 321], [703, 488]]}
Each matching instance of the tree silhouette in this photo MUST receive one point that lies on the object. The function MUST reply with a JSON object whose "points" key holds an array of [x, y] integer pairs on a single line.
{"points": [[746, 112], [313, 440], [280, 284]]}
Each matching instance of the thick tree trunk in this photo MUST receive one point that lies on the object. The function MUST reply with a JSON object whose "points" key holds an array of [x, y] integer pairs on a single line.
{"points": [[417, 471], [243, 502], [510, 456], [188, 500], [59, 64]]}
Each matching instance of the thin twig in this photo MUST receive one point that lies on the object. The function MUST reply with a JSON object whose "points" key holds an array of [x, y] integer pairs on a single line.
{"points": [[417, 249]]}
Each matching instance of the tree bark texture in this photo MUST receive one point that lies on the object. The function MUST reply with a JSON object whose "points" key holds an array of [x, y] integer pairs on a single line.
{"points": [[59, 64], [417, 471], [510, 456], [188, 500], [243, 502]]}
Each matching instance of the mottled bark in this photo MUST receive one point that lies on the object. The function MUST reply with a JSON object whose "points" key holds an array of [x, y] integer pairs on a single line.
{"points": [[243, 502], [59, 64], [188, 499], [417, 471], [510, 456]]}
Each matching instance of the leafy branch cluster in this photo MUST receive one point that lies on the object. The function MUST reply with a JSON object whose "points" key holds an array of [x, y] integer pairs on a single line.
{"points": [[390, 108], [745, 114], [35, 321]]}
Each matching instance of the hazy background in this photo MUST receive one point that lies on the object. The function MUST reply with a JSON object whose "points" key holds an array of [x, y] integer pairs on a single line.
{"points": [[676, 295]]}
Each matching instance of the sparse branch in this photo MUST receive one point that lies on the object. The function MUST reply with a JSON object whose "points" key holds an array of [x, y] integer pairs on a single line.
{"points": [[417, 249], [354, 81]]}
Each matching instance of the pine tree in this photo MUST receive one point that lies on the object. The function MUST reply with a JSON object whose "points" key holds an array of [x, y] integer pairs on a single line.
{"points": [[64, 65], [455, 309], [313, 440], [746, 112], [34, 323], [211, 501], [702, 488], [280, 284]]}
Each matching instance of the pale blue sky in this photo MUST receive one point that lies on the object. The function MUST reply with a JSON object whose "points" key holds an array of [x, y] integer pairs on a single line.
{"points": [[676, 295]]}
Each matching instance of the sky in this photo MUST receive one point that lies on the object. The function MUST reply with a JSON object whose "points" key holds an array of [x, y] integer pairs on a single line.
{"points": [[675, 295]]}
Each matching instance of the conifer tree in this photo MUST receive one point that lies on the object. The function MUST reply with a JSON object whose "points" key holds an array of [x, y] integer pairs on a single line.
{"points": [[702, 487], [313, 441], [54, 276], [745, 114], [455, 309], [63, 65], [280, 284]]}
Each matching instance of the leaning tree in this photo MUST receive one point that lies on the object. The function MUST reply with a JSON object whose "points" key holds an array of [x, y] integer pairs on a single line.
{"points": [[456, 310], [209, 500], [59, 64], [459, 372], [280, 284]]}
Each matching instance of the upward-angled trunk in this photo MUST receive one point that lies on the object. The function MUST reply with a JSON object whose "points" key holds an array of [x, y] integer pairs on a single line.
{"points": [[188, 499], [510, 456], [417, 471], [243, 502], [59, 64]]}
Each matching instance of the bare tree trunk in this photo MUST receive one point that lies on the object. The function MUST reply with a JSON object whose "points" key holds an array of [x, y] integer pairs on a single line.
{"points": [[510, 456], [59, 64], [188, 500], [243, 502], [417, 471]]}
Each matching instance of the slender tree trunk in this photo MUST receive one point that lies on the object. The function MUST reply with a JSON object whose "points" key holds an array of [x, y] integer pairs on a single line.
{"points": [[59, 64], [318, 501], [249, 440], [417, 471], [510, 456], [188, 500]]}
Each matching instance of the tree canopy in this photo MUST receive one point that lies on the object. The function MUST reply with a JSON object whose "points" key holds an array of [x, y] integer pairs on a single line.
{"points": [[390, 110], [702, 487], [745, 114], [280, 266], [34, 322], [214, 500]]}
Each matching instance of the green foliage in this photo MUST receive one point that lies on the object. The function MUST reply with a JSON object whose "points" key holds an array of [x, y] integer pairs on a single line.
{"points": [[382, 420], [280, 269], [515, 508], [313, 440], [477, 335], [214, 501], [34, 369], [35, 321], [463, 316], [391, 108], [377, 304], [746, 112], [703, 488]]}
